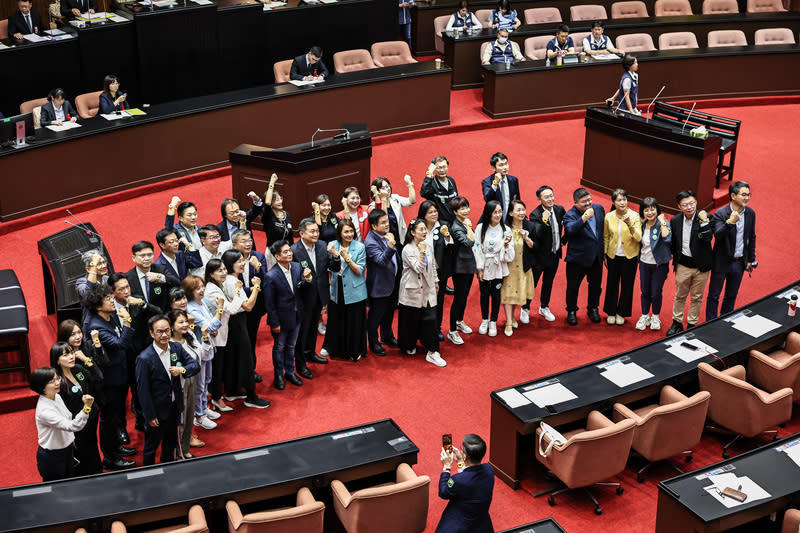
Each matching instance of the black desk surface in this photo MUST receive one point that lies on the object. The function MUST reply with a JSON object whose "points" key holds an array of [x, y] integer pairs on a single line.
{"points": [[202, 104], [46, 504], [548, 525], [591, 388], [769, 468]]}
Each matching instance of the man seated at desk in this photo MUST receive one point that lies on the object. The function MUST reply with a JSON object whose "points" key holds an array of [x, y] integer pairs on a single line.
{"points": [[501, 50], [562, 41], [76, 8], [309, 67], [599, 44], [24, 21]]}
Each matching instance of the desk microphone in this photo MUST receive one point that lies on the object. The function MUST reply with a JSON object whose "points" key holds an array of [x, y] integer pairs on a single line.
{"points": [[688, 117], [82, 225], [344, 134], [653, 102]]}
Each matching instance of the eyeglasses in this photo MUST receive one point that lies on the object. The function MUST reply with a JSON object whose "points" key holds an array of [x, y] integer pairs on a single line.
{"points": [[109, 298], [161, 332], [687, 205], [212, 237]]}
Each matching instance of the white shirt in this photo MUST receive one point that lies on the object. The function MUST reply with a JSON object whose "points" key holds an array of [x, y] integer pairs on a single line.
{"points": [[206, 255], [164, 357], [626, 83], [312, 254], [287, 272], [491, 254], [739, 249], [646, 253], [587, 43], [620, 251], [55, 424], [60, 115], [172, 262], [554, 230], [687, 235]]}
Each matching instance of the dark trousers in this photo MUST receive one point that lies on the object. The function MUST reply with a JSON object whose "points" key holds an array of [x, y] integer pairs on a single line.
{"points": [[55, 464], [651, 281], [253, 323], [490, 290], [619, 285], [86, 448], [381, 315], [237, 371], [165, 435], [283, 349], [307, 337], [135, 407], [112, 418], [417, 324], [575, 274], [217, 364], [461, 285], [547, 272], [443, 278], [731, 280]]}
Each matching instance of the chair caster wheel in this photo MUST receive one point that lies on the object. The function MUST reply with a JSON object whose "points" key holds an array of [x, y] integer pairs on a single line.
{"points": [[639, 478], [689, 458], [551, 500], [597, 510], [725, 454], [620, 490]]}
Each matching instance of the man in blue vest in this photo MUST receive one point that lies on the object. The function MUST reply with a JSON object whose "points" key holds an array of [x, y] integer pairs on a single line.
{"points": [[501, 50], [561, 42], [599, 44], [469, 492]]}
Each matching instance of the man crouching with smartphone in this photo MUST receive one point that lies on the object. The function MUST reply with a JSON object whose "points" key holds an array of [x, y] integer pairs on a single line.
{"points": [[469, 490]]}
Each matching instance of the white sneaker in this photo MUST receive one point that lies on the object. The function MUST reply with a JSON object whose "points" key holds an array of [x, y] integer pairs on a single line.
{"points": [[655, 323], [643, 322], [619, 320], [493, 329], [204, 422], [484, 327], [212, 415], [463, 328], [524, 316], [321, 329], [454, 337], [509, 330], [545, 312], [436, 359], [611, 320], [324, 352]]}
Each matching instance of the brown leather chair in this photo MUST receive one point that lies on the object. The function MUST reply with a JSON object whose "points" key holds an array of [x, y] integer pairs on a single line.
{"points": [[388, 53], [536, 47], [281, 70], [587, 12], [740, 406], [88, 104], [627, 10], [4, 29], [670, 427], [726, 38], [439, 25], [678, 40], [720, 7], [352, 60], [791, 521], [542, 15], [672, 8], [590, 455], [765, 6], [780, 368], [577, 39], [774, 36], [635, 42], [197, 524], [27, 107], [400, 507], [484, 17], [306, 516]]}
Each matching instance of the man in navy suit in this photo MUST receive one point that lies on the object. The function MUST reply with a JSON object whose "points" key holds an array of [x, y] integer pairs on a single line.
{"points": [[500, 185], [177, 262], [256, 267], [233, 216], [309, 66], [383, 267], [149, 281], [286, 283], [583, 226], [548, 221], [734, 248], [469, 492], [158, 376], [312, 254], [24, 21]]}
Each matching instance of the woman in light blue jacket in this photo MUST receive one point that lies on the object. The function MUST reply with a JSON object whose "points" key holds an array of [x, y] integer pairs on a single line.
{"points": [[654, 259], [346, 334]]}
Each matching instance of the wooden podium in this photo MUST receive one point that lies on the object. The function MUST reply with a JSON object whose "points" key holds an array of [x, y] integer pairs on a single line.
{"points": [[647, 159], [304, 171]]}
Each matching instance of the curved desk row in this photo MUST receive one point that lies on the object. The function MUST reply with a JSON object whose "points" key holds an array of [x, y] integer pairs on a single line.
{"points": [[196, 134], [513, 429], [532, 88], [462, 53]]}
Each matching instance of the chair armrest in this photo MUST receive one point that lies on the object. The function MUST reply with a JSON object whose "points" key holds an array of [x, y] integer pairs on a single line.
{"points": [[764, 359], [341, 493], [304, 497], [777, 396], [197, 516], [621, 412], [405, 473], [234, 513], [118, 527], [597, 420], [737, 372], [670, 394], [793, 342]]}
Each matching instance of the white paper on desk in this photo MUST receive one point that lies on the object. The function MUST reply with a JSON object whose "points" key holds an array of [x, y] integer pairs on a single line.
{"points": [[328, 1], [114, 116], [65, 126], [605, 57], [202, 2], [513, 398], [794, 454], [748, 486], [550, 395], [117, 18], [159, 3], [300, 83], [2, 46], [54, 32], [685, 354], [34, 38], [273, 5], [623, 375], [755, 325]]}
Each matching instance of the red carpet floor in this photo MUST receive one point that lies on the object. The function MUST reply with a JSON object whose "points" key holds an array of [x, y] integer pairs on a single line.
{"points": [[427, 401]]}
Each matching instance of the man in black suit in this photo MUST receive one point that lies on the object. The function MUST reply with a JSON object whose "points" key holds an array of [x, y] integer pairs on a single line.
{"points": [[547, 220], [734, 248], [256, 267], [234, 218], [158, 376], [501, 185], [692, 233], [24, 21], [149, 281], [178, 263], [311, 253], [309, 67], [77, 7]]}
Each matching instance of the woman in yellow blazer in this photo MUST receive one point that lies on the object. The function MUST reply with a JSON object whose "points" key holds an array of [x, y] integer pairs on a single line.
{"points": [[622, 236]]}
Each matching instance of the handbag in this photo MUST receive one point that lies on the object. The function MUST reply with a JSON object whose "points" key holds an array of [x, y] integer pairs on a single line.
{"points": [[553, 436]]}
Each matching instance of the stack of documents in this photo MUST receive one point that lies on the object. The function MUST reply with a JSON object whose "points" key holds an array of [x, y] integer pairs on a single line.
{"points": [[753, 325], [65, 126]]}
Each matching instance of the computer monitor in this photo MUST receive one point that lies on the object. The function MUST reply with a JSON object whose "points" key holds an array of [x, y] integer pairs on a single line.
{"points": [[8, 127]]}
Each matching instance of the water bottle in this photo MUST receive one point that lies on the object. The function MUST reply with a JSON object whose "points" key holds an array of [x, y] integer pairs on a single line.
{"points": [[508, 63], [547, 62], [792, 305], [559, 58]]}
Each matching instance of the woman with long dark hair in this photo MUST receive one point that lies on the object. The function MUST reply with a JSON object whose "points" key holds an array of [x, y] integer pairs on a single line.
{"points": [[493, 252], [464, 267], [276, 221], [518, 285], [111, 99]]}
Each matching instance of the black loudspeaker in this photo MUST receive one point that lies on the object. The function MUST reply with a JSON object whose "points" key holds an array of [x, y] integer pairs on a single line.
{"points": [[62, 265]]}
